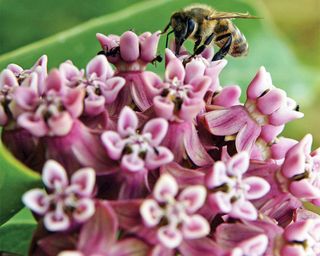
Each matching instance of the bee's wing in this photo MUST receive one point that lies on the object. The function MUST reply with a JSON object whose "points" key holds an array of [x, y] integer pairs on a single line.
{"points": [[231, 15]]}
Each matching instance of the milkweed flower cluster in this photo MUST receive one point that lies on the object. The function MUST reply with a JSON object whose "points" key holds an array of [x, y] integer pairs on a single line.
{"points": [[135, 163]]}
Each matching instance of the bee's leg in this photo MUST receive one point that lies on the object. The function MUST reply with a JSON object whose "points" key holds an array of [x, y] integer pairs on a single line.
{"points": [[201, 48], [196, 44], [225, 48], [167, 38]]}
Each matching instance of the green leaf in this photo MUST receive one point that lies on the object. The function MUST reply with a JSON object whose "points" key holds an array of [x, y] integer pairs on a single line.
{"points": [[15, 179], [16, 234], [266, 48]]}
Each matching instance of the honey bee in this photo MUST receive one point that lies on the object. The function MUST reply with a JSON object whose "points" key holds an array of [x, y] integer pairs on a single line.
{"points": [[205, 26]]}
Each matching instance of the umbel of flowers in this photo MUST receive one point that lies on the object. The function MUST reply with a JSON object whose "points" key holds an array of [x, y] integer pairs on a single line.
{"points": [[139, 163]]}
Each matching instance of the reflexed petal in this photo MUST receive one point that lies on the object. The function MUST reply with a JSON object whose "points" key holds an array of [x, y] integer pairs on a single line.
{"points": [[255, 246], [99, 66], [163, 107], [174, 69], [113, 143], [238, 164], [217, 175], [190, 109], [247, 136], [128, 247], [129, 46], [128, 122], [170, 237], [166, 187], [195, 227], [293, 250], [132, 163], [61, 124], [298, 231], [243, 210], [84, 179], [160, 157], [158, 128], [54, 175], [33, 124], [36, 200], [84, 210], [194, 197], [150, 212], [111, 88], [258, 187], [304, 189], [56, 223], [226, 121], [98, 234], [152, 83]]}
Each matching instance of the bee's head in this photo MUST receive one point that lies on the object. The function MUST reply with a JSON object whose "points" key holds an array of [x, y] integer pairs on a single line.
{"points": [[182, 26]]}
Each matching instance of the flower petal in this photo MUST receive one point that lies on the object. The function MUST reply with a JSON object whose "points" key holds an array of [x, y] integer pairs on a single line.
{"points": [[247, 136], [113, 143], [84, 180], [174, 69], [84, 210], [128, 122], [111, 88], [8, 78], [260, 83], [132, 163], [217, 176], [151, 212], [73, 101], [100, 67], [149, 47], [129, 46], [194, 197], [195, 227], [33, 124], [158, 128], [255, 246], [54, 175], [54, 223], [238, 164], [258, 187], [166, 187], [54, 81], [220, 202], [60, 124], [170, 237], [163, 107], [36, 200], [159, 157], [129, 247], [243, 210]]}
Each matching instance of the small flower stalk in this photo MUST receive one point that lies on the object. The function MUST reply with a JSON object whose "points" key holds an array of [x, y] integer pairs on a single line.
{"points": [[139, 163]]}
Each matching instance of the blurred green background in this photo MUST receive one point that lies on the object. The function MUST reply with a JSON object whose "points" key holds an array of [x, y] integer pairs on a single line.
{"points": [[286, 41]]}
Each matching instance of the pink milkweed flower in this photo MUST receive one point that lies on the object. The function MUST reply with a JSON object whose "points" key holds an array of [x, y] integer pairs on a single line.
{"points": [[130, 54], [101, 86], [98, 237], [137, 151], [176, 211], [301, 170], [66, 202], [53, 113], [40, 68], [265, 105], [230, 192], [302, 238]]}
